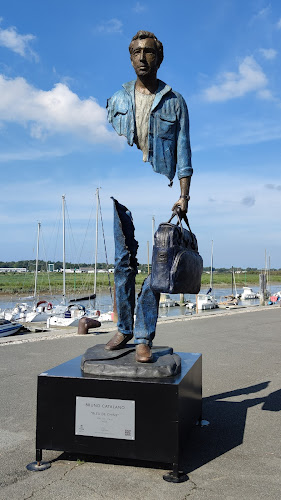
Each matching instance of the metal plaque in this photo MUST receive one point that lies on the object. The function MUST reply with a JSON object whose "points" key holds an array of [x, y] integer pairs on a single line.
{"points": [[107, 418]]}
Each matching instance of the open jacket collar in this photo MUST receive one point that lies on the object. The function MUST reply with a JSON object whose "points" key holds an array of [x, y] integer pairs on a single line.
{"points": [[162, 89]]}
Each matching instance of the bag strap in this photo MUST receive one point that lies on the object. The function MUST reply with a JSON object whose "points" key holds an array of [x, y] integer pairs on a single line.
{"points": [[186, 221], [175, 213], [182, 216]]}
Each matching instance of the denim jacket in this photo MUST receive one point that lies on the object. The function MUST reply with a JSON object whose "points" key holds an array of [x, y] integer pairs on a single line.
{"points": [[168, 132]]}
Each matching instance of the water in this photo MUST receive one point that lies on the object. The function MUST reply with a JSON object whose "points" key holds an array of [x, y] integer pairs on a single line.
{"points": [[104, 304], [219, 293]]}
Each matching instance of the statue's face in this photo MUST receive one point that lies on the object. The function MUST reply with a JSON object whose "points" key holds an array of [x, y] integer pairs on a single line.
{"points": [[144, 57]]}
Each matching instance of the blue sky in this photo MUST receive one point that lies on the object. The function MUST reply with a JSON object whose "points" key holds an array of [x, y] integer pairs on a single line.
{"points": [[60, 61]]}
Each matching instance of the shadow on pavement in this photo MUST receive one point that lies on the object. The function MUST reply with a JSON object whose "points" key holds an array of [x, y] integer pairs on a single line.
{"points": [[227, 423]]}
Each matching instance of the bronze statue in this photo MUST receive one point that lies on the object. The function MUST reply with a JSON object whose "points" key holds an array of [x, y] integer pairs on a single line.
{"points": [[150, 114]]}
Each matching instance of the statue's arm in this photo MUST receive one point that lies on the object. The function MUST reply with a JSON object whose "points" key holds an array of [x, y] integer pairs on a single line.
{"points": [[184, 165]]}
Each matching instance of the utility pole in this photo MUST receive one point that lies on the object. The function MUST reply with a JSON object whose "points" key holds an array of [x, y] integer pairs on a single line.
{"points": [[153, 230], [96, 248]]}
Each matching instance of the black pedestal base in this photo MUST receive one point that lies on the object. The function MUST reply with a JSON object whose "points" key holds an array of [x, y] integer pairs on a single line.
{"points": [[175, 477], [38, 466], [78, 414]]}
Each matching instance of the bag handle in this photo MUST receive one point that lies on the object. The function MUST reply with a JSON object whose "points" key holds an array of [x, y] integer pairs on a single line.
{"points": [[174, 213], [182, 216]]}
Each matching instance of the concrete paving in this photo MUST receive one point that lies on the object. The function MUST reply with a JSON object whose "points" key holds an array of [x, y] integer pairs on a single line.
{"points": [[236, 457]]}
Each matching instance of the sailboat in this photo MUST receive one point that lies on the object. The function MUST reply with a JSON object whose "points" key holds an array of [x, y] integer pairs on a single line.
{"points": [[63, 314], [231, 300], [90, 313], [69, 315], [206, 301], [25, 312]]}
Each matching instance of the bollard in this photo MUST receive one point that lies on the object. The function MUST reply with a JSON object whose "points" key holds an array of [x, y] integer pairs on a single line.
{"points": [[85, 324]]}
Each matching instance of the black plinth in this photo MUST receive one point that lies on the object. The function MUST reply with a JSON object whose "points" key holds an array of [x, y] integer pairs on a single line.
{"points": [[164, 411]]}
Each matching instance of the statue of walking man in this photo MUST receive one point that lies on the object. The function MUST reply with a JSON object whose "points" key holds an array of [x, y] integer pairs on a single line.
{"points": [[150, 114]]}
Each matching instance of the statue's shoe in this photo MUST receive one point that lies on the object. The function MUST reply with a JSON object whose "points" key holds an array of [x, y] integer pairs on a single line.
{"points": [[118, 341], [143, 353]]}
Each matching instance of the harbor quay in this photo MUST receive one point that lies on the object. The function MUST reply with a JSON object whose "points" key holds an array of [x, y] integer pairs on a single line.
{"points": [[236, 456]]}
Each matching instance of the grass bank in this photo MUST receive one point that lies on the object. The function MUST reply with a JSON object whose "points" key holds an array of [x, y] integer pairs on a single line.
{"points": [[79, 283], [52, 283]]}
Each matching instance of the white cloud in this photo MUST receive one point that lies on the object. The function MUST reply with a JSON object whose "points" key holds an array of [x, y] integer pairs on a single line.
{"points": [[268, 53], [264, 12], [266, 95], [261, 14], [58, 110], [279, 24], [29, 154], [139, 7], [112, 26], [20, 44], [249, 78]]}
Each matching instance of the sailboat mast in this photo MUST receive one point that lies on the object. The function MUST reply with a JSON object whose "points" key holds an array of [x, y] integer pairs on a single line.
{"points": [[37, 257], [96, 249], [268, 273], [211, 274], [63, 247]]}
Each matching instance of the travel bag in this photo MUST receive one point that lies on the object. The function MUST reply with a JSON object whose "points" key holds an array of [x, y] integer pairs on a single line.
{"points": [[176, 264]]}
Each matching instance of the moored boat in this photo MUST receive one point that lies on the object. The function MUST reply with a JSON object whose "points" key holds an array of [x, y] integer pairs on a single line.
{"points": [[248, 293], [166, 301], [204, 302], [8, 327]]}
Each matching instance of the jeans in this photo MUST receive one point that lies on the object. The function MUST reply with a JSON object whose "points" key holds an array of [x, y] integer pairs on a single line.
{"points": [[126, 268]]}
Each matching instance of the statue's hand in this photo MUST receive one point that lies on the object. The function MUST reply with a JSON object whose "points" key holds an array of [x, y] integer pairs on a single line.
{"points": [[182, 203]]}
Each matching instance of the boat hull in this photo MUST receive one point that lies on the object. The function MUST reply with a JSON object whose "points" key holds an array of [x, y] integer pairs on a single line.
{"points": [[8, 328]]}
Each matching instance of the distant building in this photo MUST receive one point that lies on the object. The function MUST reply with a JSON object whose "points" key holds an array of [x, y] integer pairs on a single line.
{"points": [[87, 270], [13, 270], [72, 271]]}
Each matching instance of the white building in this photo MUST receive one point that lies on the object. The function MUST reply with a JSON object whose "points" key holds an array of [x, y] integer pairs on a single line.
{"points": [[13, 270]]}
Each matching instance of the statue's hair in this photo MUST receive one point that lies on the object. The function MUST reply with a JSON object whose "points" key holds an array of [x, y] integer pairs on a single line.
{"points": [[147, 34]]}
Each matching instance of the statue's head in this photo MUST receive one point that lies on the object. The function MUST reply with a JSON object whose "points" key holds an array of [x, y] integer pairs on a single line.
{"points": [[146, 53]]}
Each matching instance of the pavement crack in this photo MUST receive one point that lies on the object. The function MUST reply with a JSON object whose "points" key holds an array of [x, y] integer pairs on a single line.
{"points": [[194, 487], [43, 488], [93, 490]]}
